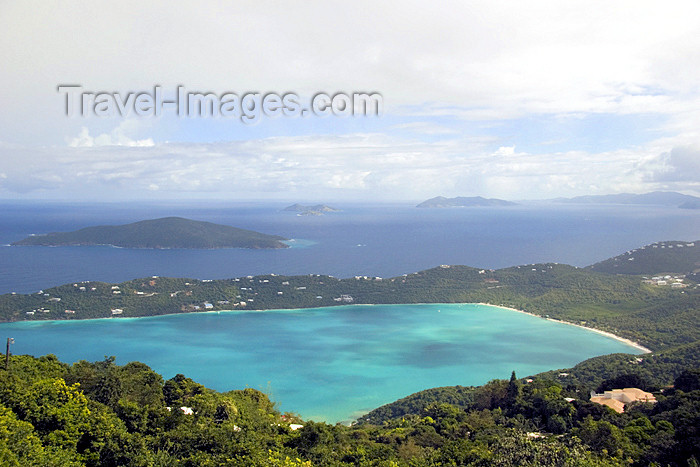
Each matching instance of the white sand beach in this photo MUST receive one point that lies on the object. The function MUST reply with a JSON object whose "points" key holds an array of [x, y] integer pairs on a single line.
{"points": [[604, 333]]}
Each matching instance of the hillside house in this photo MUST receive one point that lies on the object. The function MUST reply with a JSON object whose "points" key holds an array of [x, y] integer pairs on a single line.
{"points": [[618, 398]]}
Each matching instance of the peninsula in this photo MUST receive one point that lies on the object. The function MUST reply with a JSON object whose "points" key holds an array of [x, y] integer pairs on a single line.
{"points": [[657, 259], [166, 232]]}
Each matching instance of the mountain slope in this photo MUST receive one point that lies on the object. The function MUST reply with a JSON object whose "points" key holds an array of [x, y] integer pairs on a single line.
{"points": [[669, 256]]}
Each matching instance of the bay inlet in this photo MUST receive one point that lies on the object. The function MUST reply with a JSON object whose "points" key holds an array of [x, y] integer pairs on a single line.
{"points": [[327, 364]]}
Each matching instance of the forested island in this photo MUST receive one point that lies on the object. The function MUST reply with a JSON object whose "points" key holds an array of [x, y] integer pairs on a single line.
{"points": [[100, 413], [167, 232]]}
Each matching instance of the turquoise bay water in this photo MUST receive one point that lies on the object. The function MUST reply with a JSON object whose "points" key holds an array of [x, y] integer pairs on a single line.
{"points": [[330, 364]]}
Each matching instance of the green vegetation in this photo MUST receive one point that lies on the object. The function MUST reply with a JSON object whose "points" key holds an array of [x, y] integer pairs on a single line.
{"points": [[650, 372], [142, 297], [168, 232], [657, 317], [102, 414], [674, 257]]}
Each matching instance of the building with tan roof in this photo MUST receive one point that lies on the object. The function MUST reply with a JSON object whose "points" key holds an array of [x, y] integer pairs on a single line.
{"points": [[618, 398]]}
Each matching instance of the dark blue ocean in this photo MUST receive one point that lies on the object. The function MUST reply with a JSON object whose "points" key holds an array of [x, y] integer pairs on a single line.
{"points": [[376, 240]]}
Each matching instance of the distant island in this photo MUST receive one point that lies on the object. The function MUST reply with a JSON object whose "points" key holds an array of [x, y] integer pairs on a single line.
{"points": [[311, 210], [662, 198], [656, 198], [462, 201], [167, 232]]}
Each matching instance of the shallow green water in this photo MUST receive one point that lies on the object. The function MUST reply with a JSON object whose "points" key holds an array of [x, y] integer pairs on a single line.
{"points": [[330, 364]]}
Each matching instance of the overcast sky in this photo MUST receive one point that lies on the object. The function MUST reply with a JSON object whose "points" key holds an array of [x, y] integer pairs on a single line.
{"points": [[514, 100]]}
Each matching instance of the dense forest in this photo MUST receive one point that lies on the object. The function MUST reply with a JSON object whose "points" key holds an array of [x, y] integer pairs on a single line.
{"points": [[102, 414], [651, 372]]}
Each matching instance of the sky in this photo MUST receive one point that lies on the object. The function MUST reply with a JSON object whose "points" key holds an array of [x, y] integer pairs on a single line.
{"points": [[502, 99]]}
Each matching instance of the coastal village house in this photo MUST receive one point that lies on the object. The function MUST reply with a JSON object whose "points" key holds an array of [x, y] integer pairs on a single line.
{"points": [[618, 398]]}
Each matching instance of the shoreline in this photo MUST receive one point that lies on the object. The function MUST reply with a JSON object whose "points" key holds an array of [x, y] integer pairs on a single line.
{"points": [[356, 414], [630, 342]]}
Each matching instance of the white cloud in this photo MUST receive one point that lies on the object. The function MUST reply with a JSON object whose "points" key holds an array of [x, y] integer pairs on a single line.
{"points": [[353, 166], [435, 64], [497, 58], [425, 128], [680, 164], [505, 151], [117, 137]]}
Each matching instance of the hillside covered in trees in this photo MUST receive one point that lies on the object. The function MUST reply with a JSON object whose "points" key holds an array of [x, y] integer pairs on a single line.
{"points": [[656, 316], [102, 414], [658, 258]]}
